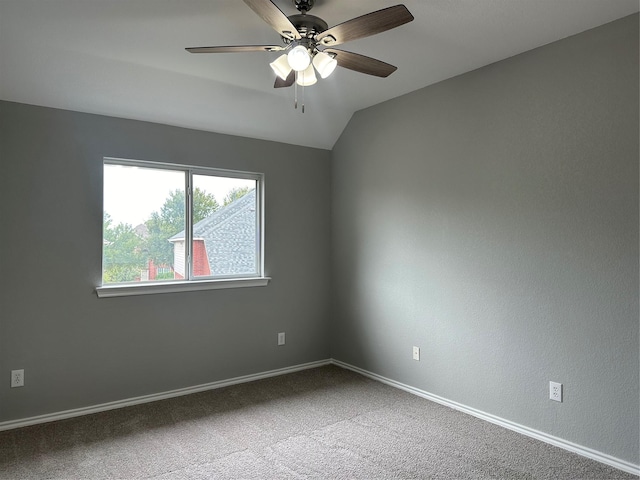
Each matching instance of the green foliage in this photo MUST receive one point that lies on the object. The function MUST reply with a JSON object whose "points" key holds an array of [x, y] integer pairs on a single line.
{"points": [[170, 220], [123, 257], [126, 252], [204, 204], [164, 276], [234, 194], [156, 244]]}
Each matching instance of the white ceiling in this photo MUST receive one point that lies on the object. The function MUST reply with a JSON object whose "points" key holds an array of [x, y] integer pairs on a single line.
{"points": [[126, 58]]}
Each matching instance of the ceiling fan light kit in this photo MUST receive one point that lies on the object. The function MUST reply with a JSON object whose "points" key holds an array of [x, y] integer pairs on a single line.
{"points": [[325, 64], [299, 58], [308, 42], [307, 77], [281, 66]]}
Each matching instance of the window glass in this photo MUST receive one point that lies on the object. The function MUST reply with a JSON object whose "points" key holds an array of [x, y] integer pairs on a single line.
{"points": [[143, 207], [149, 221], [224, 228]]}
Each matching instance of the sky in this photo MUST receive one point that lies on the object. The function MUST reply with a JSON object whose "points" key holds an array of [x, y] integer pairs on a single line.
{"points": [[131, 194]]}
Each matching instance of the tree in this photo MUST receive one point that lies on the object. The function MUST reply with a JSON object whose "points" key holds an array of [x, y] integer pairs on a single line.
{"points": [[170, 220], [123, 255], [234, 194]]}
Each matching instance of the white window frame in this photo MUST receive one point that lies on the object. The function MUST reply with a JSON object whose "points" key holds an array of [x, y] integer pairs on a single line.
{"points": [[191, 283]]}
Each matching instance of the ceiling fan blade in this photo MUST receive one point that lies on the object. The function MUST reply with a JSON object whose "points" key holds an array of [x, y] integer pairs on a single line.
{"points": [[361, 63], [366, 25], [270, 13], [285, 83], [235, 49]]}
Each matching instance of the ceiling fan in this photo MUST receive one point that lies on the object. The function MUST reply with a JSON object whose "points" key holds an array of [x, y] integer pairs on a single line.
{"points": [[308, 42]]}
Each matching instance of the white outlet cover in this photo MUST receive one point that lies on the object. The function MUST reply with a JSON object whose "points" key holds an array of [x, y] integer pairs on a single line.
{"points": [[281, 338], [555, 391], [17, 378], [416, 353]]}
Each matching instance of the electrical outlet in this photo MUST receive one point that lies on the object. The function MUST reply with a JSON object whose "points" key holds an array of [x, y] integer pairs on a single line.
{"points": [[17, 378], [416, 353], [555, 391], [281, 338]]}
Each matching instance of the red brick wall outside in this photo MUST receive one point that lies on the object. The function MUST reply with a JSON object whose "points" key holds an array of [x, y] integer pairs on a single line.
{"points": [[200, 263], [200, 260], [153, 270]]}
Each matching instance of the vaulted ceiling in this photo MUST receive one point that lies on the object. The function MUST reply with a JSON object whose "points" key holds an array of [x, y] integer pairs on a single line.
{"points": [[128, 58]]}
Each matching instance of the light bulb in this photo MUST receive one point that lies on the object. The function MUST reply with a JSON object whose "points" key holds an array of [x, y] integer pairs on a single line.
{"points": [[325, 64], [307, 77], [281, 67], [299, 58]]}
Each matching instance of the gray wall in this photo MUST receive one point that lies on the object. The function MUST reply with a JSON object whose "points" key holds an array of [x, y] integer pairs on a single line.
{"points": [[78, 350], [492, 220]]}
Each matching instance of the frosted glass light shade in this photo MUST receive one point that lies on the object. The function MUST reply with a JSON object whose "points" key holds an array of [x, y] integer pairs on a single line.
{"points": [[307, 77], [325, 64], [281, 66], [299, 58]]}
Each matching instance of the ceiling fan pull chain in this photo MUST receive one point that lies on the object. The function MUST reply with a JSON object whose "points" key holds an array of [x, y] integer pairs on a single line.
{"points": [[295, 86], [302, 84]]}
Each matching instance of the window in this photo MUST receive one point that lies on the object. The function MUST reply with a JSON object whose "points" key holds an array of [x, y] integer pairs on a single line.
{"points": [[171, 227]]}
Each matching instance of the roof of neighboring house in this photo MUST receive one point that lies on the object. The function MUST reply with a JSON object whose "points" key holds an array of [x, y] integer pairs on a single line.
{"points": [[229, 236], [141, 230]]}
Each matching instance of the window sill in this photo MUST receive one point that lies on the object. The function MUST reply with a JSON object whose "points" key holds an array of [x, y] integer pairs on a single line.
{"points": [[173, 287]]}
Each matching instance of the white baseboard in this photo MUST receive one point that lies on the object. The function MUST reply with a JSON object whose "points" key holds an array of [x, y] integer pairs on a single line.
{"points": [[77, 412], [530, 432], [558, 442]]}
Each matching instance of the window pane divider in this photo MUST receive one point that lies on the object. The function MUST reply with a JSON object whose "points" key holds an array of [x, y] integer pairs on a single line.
{"points": [[188, 227]]}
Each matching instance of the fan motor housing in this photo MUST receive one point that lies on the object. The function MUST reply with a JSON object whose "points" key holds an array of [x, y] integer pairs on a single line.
{"points": [[308, 25]]}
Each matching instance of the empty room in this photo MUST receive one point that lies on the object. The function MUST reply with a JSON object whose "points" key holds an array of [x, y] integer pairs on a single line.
{"points": [[319, 239]]}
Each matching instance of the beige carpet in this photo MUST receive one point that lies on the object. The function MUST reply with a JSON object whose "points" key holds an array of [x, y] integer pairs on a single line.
{"points": [[322, 423]]}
